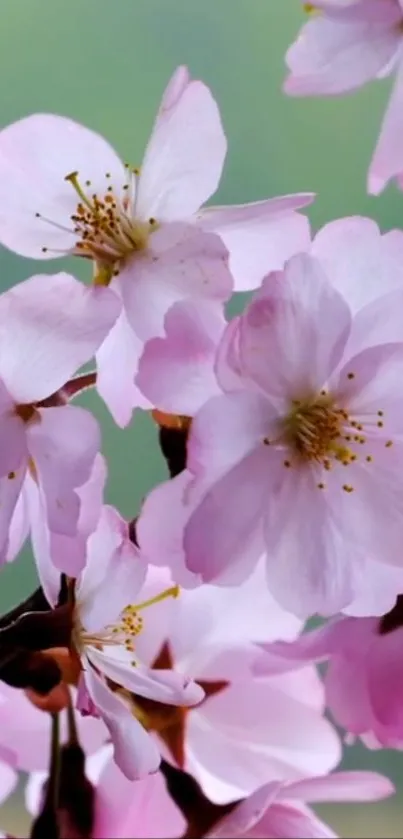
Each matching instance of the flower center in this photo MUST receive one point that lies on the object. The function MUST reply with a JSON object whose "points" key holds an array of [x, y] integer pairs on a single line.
{"points": [[105, 224], [318, 431], [314, 430], [125, 630]]}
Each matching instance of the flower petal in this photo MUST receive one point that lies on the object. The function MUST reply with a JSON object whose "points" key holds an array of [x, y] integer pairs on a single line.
{"points": [[183, 263], [113, 575], [259, 236], [185, 154], [336, 54], [135, 752], [340, 786], [387, 161], [49, 327], [176, 373], [360, 262], [117, 362], [299, 320], [165, 686], [223, 534], [304, 541], [63, 445], [36, 154]]}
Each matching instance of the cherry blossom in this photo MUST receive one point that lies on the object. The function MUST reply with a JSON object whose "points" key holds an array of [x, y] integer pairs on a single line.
{"points": [[49, 327], [303, 460], [279, 811], [247, 729], [106, 623], [141, 227], [344, 45]]}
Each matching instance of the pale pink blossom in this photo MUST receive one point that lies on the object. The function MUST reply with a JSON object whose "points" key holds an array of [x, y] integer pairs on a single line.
{"points": [[344, 45], [107, 620], [364, 675], [301, 457], [67, 191], [247, 729], [280, 811], [49, 327]]}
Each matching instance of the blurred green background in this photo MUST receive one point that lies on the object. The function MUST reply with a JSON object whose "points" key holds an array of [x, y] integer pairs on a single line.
{"points": [[105, 63]]}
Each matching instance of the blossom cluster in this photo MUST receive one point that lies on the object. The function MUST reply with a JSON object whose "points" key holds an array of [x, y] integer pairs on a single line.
{"points": [[161, 681]]}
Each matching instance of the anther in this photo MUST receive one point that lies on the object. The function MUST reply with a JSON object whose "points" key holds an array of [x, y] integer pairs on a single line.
{"points": [[350, 375], [388, 444], [287, 464], [348, 488]]}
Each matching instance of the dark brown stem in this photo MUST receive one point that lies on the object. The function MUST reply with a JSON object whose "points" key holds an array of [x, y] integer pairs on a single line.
{"points": [[200, 813], [78, 384]]}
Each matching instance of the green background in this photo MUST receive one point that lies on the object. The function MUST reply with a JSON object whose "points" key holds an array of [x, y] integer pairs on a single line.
{"points": [[105, 63]]}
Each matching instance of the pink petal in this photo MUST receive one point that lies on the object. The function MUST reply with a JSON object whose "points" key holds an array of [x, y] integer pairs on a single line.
{"points": [[298, 319], [164, 686], [185, 154], [246, 814], [377, 323], [135, 752], [36, 154], [256, 732], [360, 262], [50, 326], [223, 534], [13, 445], [304, 540], [117, 361], [176, 373], [259, 236], [112, 557], [183, 263], [340, 786], [53, 551], [19, 527], [63, 445], [163, 545], [373, 387], [387, 161], [335, 55], [10, 489], [226, 429], [385, 681], [290, 820], [127, 809]]}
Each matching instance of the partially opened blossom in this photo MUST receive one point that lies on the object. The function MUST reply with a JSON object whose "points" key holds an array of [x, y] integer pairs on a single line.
{"points": [[67, 191], [106, 621], [344, 45], [49, 327], [247, 729], [303, 459], [280, 811], [364, 676]]}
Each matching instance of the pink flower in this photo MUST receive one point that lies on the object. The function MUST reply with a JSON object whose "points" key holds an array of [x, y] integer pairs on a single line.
{"points": [[364, 674], [279, 811], [106, 623], [142, 228], [303, 460], [49, 327], [247, 730], [345, 44]]}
